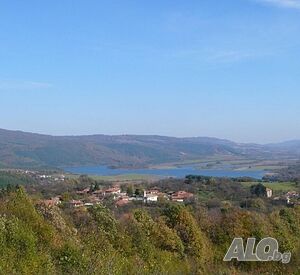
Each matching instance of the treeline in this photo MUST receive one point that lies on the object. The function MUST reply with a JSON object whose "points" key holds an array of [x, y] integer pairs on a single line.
{"points": [[290, 173], [13, 178], [174, 239]]}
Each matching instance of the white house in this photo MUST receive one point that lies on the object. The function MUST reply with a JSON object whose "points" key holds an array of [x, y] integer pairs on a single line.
{"points": [[150, 197], [269, 192]]}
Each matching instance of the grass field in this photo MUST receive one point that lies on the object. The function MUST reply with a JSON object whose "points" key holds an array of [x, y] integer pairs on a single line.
{"points": [[220, 162]]}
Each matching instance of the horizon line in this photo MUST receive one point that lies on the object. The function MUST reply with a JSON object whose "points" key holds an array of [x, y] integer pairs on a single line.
{"points": [[149, 135]]}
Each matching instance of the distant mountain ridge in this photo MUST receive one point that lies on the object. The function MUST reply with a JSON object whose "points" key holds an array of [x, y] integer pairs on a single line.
{"points": [[22, 149]]}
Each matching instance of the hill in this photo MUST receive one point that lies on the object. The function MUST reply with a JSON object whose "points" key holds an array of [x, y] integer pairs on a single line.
{"points": [[21, 149]]}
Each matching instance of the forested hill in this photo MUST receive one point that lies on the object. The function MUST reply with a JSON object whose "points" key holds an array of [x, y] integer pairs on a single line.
{"points": [[21, 149], [37, 238]]}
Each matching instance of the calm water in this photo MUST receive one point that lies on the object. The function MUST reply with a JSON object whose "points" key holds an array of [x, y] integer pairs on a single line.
{"points": [[172, 172]]}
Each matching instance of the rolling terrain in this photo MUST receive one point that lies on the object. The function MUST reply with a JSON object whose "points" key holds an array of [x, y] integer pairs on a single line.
{"points": [[21, 149]]}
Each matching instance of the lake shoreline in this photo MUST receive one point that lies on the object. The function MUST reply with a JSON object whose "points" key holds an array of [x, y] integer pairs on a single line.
{"points": [[179, 172]]}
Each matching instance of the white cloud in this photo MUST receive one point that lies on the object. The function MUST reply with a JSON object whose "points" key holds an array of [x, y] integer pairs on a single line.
{"points": [[21, 85], [294, 4]]}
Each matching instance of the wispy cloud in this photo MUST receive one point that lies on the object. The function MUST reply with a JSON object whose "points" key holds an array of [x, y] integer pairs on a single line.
{"points": [[294, 4], [23, 85], [232, 56], [219, 56]]}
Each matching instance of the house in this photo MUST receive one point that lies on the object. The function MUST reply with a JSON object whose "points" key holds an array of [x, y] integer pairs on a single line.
{"points": [[76, 203], [181, 196], [177, 199], [83, 192], [119, 195], [48, 203], [94, 199], [99, 193], [60, 178], [291, 197], [122, 201], [269, 192], [57, 200], [292, 194], [154, 191], [136, 198], [42, 177], [148, 197], [113, 191], [52, 202]]}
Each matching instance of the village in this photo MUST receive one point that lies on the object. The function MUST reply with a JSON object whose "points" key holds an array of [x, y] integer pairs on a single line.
{"points": [[88, 197], [120, 195], [291, 198], [43, 177]]}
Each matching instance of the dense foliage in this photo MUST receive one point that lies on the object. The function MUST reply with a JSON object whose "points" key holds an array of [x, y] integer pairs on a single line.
{"points": [[11, 178], [170, 239], [290, 173]]}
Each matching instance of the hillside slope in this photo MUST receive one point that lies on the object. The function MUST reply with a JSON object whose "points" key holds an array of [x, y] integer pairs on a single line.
{"points": [[21, 149]]}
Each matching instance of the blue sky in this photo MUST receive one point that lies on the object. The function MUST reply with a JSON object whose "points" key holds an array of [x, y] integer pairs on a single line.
{"points": [[228, 69]]}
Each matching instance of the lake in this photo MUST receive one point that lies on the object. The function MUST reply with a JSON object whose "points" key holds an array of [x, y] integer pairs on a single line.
{"points": [[180, 172]]}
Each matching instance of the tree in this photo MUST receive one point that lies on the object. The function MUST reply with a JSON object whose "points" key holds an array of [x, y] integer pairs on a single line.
{"points": [[259, 190], [138, 192], [130, 190], [194, 240]]}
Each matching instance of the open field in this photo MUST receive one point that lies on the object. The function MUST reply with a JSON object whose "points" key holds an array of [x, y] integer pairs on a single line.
{"points": [[216, 159], [219, 162], [261, 167], [277, 187]]}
